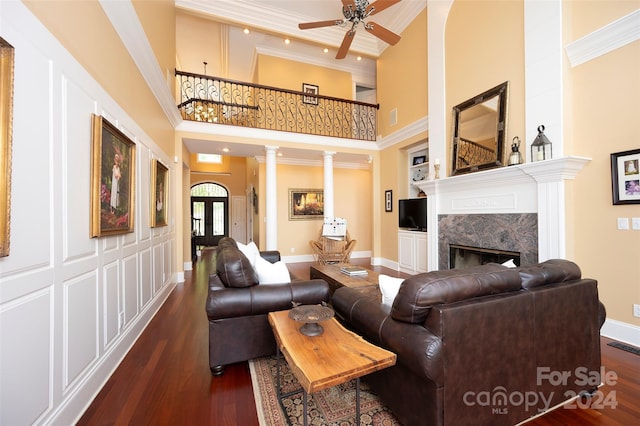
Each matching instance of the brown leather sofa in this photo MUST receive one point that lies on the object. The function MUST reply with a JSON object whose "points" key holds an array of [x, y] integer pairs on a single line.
{"points": [[237, 306], [487, 345]]}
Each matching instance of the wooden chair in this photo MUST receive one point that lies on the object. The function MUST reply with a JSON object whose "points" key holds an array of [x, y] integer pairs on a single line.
{"points": [[329, 250]]}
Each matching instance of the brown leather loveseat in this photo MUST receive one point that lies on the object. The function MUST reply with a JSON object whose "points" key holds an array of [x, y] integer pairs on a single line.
{"points": [[487, 345], [237, 306]]}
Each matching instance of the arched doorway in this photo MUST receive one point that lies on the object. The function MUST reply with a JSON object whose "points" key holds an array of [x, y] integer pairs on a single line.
{"points": [[209, 213]]}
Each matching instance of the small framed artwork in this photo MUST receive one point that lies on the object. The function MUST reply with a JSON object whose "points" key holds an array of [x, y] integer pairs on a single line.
{"points": [[388, 200], [159, 185], [420, 159], [310, 90], [6, 135], [112, 180], [625, 177], [305, 204]]}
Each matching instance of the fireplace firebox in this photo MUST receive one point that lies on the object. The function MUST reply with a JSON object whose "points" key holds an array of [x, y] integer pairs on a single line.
{"points": [[461, 257]]}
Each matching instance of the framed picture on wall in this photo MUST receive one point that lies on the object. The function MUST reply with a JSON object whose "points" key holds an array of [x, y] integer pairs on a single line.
{"points": [[305, 204], [159, 185], [310, 90], [113, 172], [388, 200], [625, 177], [6, 135]]}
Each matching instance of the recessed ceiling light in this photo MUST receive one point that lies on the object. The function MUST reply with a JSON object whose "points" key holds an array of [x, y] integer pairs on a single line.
{"points": [[359, 58], [225, 149], [287, 41], [246, 31], [279, 154], [326, 50]]}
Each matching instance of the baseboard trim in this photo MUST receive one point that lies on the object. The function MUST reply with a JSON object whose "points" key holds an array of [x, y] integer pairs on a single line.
{"points": [[621, 331]]}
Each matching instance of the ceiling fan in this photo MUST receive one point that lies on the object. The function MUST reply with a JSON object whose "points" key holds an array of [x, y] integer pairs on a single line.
{"points": [[356, 11]]}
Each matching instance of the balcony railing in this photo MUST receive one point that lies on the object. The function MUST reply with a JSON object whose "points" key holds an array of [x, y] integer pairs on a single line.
{"points": [[216, 100]]}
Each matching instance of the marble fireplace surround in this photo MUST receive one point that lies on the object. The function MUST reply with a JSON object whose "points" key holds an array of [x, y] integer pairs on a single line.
{"points": [[516, 208]]}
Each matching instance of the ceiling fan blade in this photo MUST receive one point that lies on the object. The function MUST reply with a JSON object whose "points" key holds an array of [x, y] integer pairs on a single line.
{"points": [[346, 44], [346, 3], [382, 33], [379, 6], [318, 24]]}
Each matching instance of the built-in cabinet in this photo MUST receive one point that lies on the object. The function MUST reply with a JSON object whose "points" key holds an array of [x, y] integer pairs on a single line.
{"points": [[412, 251]]}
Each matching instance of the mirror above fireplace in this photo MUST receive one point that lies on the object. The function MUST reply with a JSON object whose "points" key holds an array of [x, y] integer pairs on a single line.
{"points": [[479, 127]]}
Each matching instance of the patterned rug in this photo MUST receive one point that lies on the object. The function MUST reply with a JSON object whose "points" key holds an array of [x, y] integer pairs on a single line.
{"points": [[331, 407]]}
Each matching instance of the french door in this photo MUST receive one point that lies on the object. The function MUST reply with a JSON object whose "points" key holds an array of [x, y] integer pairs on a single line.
{"points": [[210, 217]]}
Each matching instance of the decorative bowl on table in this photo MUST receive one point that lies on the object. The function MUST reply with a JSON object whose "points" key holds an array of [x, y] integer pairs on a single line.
{"points": [[311, 315]]}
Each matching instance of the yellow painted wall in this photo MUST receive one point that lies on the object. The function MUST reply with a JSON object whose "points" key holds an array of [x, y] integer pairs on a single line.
{"points": [[158, 18], [352, 201], [103, 55], [604, 113], [198, 41], [484, 44], [235, 167], [402, 78], [290, 75]]}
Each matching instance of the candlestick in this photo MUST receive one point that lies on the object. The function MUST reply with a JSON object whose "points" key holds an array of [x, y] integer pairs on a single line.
{"points": [[436, 167]]}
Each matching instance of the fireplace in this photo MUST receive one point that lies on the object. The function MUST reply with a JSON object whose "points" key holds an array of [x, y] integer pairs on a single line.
{"points": [[461, 257]]}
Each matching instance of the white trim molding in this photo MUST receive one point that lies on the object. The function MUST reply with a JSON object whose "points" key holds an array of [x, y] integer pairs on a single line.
{"points": [[604, 40]]}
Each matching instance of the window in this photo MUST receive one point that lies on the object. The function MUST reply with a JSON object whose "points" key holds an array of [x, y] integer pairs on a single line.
{"points": [[210, 158]]}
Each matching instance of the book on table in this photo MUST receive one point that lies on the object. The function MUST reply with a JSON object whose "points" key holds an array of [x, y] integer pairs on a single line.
{"points": [[353, 270]]}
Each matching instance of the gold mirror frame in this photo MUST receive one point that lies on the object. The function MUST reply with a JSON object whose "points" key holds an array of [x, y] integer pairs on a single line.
{"points": [[479, 128], [6, 134]]}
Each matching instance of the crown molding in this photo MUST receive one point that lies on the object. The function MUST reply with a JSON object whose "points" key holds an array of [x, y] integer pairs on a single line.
{"points": [[604, 40], [125, 21]]}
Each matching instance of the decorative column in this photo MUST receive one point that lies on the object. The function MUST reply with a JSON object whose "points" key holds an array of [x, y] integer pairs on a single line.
{"points": [[271, 199], [328, 184]]}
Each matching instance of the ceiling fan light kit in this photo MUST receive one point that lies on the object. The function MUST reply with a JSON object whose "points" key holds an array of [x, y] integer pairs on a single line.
{"points": [[356, 11]]}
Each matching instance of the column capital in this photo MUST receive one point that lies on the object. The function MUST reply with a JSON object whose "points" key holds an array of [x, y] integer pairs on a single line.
{"points": [[271, 148], [329, 153]]}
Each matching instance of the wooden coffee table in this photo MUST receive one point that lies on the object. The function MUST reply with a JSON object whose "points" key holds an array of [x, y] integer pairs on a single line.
{"points": [[319, 362], [336, 279]]}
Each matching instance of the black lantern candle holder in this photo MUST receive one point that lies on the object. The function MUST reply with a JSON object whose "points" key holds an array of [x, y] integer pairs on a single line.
{"points": [[541, 146]]}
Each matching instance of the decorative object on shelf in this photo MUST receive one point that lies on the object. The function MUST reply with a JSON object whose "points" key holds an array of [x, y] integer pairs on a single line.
{"points": [[418, 175], [515, 157], [479, 131], [420, 159], [541, 146], [310, 90], [625, 177], [311, 315], [388, 200], [436, 167]]}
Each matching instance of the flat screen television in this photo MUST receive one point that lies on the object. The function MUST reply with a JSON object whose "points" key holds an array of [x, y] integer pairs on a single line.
{"points": [[412, 214]]}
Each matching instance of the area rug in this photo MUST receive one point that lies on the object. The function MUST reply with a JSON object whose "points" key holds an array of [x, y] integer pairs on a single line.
{"points": [[331, 407]]}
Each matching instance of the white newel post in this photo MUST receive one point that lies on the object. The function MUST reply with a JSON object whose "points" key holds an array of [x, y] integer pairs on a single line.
{"points": [[328, 185], [271, 198]]}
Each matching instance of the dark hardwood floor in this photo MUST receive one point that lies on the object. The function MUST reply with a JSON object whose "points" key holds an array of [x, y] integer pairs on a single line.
{"points": [[165, 378]]}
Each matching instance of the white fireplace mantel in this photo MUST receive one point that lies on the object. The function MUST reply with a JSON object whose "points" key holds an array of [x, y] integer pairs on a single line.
{"points": [[536, 187]]}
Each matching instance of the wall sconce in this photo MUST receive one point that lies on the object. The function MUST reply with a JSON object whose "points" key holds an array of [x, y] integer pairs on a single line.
{"points": [[541, 146]]}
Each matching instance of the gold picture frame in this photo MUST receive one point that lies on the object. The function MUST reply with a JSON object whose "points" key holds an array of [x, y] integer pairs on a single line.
{"points": [[113, 172], [159, 185], [7, 56], [305, 204]]}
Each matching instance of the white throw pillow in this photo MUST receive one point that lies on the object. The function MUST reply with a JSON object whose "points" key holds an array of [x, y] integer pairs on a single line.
{"points": [[510, 264], [271, 273], [250, 250], [389, 287]]}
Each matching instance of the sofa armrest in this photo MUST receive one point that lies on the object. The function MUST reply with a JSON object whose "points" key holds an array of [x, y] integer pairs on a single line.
{"points": [[262, 299], [272, 256], [418, 349]]}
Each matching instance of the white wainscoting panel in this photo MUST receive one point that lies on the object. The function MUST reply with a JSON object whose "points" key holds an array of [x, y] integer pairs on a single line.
{"points": [[129, 289], [26, 358], [146, 285], [110, 287], [80, 326]]}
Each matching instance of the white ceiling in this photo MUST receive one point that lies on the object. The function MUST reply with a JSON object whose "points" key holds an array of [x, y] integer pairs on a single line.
{"points": [[272, 20]]}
